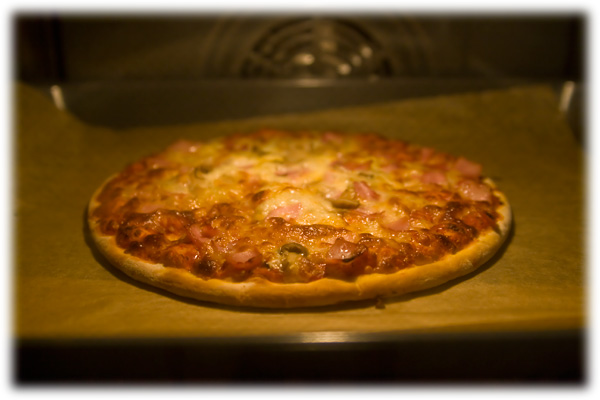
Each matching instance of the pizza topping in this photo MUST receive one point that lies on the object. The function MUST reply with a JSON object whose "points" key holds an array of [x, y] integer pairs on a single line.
{"points": [[157, 162], [200, 170], [197, 234], [400, 224], [353, 165], [345, 203], [345, 250], [146, 208], [474, 190], [435, 177], [290, 211], [294, 248], [245, 258], [185, 146], [364, 191], [468, 168], [456, 232], [426, 153], [333, 137], [296, 207]]}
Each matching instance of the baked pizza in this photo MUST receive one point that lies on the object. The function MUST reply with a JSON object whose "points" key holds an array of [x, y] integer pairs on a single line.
{"points": [[295, 219]]}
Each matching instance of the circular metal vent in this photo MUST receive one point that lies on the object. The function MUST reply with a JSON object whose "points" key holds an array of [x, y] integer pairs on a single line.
{"points": [[315, 48]]}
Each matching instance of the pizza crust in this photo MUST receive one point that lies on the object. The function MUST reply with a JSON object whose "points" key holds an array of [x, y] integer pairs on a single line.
{"points": [[259, 292]]}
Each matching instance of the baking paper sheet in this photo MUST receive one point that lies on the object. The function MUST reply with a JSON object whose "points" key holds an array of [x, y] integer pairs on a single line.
{"points": [[65, 289]]}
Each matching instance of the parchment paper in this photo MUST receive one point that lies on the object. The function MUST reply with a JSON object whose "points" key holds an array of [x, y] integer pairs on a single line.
{"points": [[64, 289]]}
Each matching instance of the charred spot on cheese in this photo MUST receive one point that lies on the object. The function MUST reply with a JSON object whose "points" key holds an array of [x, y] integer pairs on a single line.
{"points": [[296, 207], [260, 196], [205, 267]]}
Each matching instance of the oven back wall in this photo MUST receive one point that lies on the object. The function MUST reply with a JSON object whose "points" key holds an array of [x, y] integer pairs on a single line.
{"points": [[112, 48]]}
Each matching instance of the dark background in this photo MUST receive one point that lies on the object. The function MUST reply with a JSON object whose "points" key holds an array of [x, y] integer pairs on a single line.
{"points": [[125, 71], [71, 48]]}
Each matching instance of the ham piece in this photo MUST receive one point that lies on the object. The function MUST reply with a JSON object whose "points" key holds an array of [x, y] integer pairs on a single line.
{"points": [[184, 146], [345, 250], [436, 177], [245, 259], [197, 234], [468, 168], [147, 208], [353, 165], [289, 211], [426, 153], [400, 224], [364, 191], [333, 137], [475, 191]]}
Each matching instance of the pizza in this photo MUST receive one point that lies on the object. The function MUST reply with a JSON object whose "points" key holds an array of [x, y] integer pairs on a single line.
{"points": [[282, 219]]}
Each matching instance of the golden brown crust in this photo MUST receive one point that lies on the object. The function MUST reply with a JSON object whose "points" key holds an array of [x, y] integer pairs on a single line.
{"points": [[262, 293]]}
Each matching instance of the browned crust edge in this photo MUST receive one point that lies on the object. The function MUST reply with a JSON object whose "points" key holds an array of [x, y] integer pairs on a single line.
{"points": [[265, 294]]}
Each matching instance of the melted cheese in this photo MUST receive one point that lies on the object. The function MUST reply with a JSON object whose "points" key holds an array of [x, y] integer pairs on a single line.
{"points": [[299, 205], [301, 178], [254, 194]]}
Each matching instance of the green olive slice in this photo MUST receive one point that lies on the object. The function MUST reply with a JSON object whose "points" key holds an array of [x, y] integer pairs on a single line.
{"points": [[293, 247], [202, 169], [347, 204]]}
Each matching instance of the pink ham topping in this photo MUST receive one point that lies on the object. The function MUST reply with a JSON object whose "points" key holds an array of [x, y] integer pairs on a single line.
{"points": [[468, 168], [186, 169], [185, 146], [289, 211], [290, 173], [147, 208], [245, 259], [474, 190], [436, 177], [353, 165], [333, 137], [364, 191], [400, 224], [344, 250], [426, 153], [197, 234], [156, 162], [389, 168]]}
